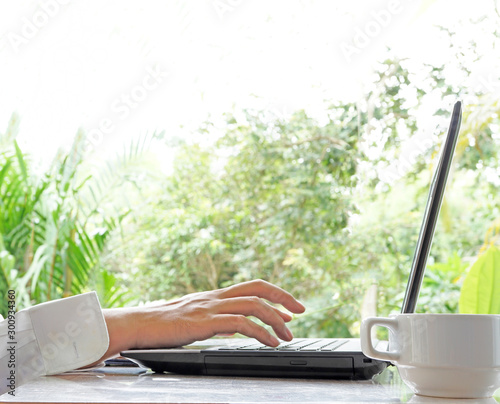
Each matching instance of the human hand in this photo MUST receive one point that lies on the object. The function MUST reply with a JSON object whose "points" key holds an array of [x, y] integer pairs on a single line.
{"points": [[202, 315]]}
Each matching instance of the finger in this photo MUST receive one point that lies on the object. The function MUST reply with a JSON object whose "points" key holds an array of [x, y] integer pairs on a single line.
{"points": [[266, 291], [254, 306], [225, 323], [285, 316]]}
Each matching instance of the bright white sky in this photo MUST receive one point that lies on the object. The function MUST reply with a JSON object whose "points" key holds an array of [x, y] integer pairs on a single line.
{"points": [[66, 64]]}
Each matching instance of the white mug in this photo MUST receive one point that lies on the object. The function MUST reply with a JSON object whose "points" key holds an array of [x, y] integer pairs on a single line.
{"points": [[441, 355]]}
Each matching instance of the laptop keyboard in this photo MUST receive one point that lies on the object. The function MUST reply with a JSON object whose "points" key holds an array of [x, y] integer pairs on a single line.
{"points": [[303, 345]]}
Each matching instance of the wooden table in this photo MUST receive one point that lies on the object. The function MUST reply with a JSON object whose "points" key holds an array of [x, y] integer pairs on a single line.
{"points": [[136, 385]]}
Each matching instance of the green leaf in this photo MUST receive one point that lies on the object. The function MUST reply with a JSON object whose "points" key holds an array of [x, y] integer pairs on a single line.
{"points": [[22, 163], [481, 289], [4, 170], [36, 267]]}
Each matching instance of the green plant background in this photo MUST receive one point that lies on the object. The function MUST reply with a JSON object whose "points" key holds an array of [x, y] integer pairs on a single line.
{"points": [[309, 204]]}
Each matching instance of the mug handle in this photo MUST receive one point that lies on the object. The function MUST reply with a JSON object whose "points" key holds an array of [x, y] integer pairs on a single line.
{"points": [[366, 337]]}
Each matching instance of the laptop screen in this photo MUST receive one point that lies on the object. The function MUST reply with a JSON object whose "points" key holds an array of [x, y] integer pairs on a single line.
{"points": [[431, 214]]}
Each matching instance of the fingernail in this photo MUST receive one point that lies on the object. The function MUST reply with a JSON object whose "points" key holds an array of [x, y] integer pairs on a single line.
{"points": [[274, 341], [289, 333]]}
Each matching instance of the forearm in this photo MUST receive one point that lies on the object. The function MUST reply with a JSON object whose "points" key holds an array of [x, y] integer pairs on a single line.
{"points": [[122, 326]]}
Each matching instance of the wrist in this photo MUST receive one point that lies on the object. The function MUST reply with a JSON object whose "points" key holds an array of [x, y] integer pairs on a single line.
{"points": [[123, 329]]}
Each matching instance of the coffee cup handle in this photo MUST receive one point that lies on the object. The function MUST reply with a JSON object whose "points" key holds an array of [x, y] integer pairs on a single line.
{"points": [[366, 338]]}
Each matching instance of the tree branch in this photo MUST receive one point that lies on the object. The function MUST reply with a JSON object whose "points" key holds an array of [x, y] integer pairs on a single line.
{"points": [[337, 142]]}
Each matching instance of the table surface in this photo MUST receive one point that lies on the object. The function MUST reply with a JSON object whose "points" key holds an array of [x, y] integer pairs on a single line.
{"points": [[136, 385]]}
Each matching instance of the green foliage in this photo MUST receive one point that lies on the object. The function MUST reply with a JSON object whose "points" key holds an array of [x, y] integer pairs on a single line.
{"points": [[441, 286], [481, 289], [324, 207], [109, 290], [261, 212], [52, 229], [312, 205]]}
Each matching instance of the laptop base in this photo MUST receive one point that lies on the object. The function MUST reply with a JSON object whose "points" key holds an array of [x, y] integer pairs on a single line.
{"points": [[213, 358]]}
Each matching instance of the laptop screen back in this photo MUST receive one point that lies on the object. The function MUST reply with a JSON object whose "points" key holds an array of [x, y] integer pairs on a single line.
{"points": [[432, 212]]}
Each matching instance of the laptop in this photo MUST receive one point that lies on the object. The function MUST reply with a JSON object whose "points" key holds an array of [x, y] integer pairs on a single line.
{"points": [[334, 358]]}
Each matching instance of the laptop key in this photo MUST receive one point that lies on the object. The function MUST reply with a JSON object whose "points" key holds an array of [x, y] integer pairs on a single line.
{"points": [[294, 343], [333, 346], [297, 346], [252, 347], [316, 346]]}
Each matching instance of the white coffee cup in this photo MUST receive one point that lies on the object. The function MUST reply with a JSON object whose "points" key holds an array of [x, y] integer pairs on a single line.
{"points": [[441, 355]]}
